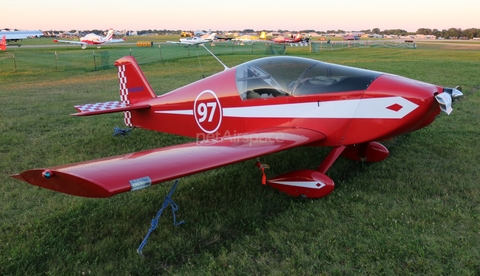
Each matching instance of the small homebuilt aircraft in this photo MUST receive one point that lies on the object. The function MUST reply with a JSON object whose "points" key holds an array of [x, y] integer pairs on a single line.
{"points": [[196, 40], [93, 39], [297, 40], [257, 108]]}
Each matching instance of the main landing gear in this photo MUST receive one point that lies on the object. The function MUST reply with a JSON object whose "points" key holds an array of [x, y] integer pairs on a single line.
{"points": [[315, 183]]}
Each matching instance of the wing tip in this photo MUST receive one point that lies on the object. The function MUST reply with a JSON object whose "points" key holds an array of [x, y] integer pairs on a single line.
{"points": [[68, 183]]}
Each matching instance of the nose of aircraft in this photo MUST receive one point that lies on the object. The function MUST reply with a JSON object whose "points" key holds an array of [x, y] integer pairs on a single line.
{"points": [[449, 96], [400, 105]]}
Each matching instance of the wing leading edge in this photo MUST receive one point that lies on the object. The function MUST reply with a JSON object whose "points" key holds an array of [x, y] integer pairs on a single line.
{"points": [[71, 42], [113, 175]]}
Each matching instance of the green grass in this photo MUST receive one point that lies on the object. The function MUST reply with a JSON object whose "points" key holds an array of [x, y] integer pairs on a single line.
{"points": [[417, 212]]}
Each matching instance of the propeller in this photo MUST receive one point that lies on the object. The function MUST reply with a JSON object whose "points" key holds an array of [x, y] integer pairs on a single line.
{"points": [[449, 96]]}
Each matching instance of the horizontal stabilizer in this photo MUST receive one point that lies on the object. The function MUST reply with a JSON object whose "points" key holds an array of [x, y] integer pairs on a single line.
{"points": [[106, 107]]}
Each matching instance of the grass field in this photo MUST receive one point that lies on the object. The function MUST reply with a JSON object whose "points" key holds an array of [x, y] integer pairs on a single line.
{"points": [[417, 212]]}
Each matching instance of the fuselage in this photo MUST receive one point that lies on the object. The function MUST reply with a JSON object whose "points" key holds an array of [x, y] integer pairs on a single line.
{"points": [[348, 105]]}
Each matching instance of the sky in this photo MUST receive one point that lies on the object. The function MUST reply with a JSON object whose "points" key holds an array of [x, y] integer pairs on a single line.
{"points": [[294, 15]]}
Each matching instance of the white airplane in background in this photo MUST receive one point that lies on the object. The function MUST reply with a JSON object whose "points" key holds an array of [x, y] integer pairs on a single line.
{"points": [[194, 40], [3, 43], [19, 35], [93, 39]]}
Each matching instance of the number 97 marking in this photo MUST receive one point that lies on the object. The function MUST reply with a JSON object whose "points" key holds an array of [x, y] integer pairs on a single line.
{"points": [[207, 111], [203, 111]]}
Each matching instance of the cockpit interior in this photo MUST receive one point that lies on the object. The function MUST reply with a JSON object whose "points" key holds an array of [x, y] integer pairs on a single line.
{"points": [[293, 76]]}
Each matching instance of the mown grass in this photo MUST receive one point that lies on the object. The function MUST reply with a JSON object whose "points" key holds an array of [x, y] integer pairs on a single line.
{"points": [[417, 212]]}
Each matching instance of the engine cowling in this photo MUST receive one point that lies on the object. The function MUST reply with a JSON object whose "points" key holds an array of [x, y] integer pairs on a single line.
{"points": [[307, 183]]}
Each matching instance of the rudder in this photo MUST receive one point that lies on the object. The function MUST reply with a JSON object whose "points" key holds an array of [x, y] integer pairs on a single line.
{"points": [[134, 86]]}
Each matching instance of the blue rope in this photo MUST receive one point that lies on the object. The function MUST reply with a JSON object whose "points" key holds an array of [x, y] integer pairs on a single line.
{"points": [[121, 131], [168, 201]]}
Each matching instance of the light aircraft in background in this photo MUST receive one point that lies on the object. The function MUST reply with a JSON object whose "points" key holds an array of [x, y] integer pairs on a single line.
{"points": [[19, 35], [200, 33], [93, 39], [70, 34], [250, 38], [257, 108], [297, 40], [196, 40]]}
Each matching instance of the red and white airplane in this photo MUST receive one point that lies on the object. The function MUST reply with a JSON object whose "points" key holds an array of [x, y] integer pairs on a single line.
{"points": [[257, 108], [93, 39], [297, 40]]}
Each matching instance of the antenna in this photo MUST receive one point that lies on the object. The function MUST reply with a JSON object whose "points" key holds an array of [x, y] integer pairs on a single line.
{"points": [[225, 67]]}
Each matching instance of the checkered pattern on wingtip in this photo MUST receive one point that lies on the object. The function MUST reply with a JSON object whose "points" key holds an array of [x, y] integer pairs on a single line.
{"points": [[100, 106]]}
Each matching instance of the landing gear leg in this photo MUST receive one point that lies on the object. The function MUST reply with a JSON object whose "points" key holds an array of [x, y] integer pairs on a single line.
{"points": [[330, 159]]}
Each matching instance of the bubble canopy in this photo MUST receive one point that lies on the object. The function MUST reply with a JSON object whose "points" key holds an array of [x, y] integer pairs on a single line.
{"points": [[295, 76]]}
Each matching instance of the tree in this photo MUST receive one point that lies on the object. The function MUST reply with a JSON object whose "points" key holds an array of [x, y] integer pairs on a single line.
{"points": [[471, 33], [424, 31], [453, 33]]}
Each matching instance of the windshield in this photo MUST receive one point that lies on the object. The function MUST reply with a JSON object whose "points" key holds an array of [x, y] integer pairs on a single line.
{"points": [[286, 76]]}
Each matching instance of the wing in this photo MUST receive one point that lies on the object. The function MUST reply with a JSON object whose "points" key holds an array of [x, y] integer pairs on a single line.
{"points": [[113, 175], [71, 42], [115, 40], [15, 36]]}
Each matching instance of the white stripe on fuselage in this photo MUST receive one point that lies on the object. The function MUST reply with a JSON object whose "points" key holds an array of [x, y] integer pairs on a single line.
{"points": [[304, 184], [176, 112], [375, 108]]}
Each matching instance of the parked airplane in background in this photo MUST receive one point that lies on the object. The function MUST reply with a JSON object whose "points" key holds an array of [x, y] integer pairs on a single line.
{"points": [[295, 40], [3, 43], [194, 40], [250, 38], [19, 35], [93, 39], [201, 33]]}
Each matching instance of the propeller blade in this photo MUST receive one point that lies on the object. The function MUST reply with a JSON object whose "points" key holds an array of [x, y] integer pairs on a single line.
{"points": [[449, 96], [445, 102]]}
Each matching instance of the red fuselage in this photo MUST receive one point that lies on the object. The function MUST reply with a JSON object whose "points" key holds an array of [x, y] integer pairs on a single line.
{"points": [[213, 108]]}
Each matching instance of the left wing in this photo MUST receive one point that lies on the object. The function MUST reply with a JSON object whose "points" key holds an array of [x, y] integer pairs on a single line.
{"points": [[71, 42], [113, 175]]}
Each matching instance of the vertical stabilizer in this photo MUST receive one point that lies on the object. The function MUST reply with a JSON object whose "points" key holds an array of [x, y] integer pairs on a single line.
{"points": [[109, 35], [134, 87], [211, 36], [3, 44]]}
